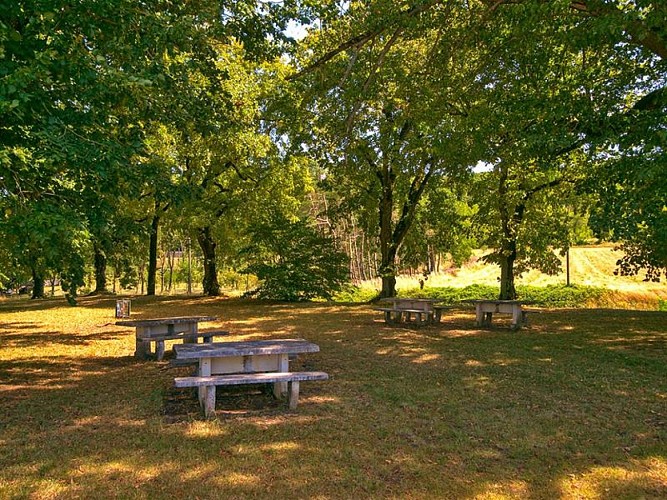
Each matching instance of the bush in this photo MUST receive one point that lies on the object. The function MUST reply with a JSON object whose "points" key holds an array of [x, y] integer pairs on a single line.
{"points": [[295, 262], [352, 293], [560, 295], [548, 296], [453, 295]]}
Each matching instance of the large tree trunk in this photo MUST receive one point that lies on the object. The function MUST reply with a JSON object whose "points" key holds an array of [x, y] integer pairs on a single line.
{"points": [[100, 270], [387, 247], [507, 259], [208, 244], [152, 255], [510, 220], [37, 284]]}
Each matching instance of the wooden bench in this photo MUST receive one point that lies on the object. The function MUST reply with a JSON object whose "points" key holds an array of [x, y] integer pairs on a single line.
{"points": [[185, 336], [400, 314], [212, 381]]}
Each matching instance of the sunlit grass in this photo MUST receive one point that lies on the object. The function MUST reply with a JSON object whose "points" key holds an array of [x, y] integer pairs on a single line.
{"points": [[573, 407]]}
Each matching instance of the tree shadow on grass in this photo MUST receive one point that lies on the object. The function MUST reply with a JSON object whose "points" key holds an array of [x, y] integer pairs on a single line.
{"points": [[23, 335], [447, 411]]}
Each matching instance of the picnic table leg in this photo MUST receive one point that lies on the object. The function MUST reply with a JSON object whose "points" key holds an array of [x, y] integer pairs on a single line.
{"points": [[488, 318], [193, 330], [206, 393], [479, 315], [142, 348], [159, 349], [517, 317], [294, 394], [279, 388]]}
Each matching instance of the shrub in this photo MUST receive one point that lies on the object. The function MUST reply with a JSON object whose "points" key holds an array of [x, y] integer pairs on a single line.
{"points": [[548, 296], [352, 293], [295, 262]]}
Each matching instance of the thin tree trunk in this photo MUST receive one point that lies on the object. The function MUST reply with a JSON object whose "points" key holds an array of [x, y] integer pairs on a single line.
{"points": [[37, 284], [208, 244], [152, 254], [507, 259], [100, 260], [170, 265]]}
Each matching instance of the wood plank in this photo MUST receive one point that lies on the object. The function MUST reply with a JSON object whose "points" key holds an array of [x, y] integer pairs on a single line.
{"points": [[248, 378], [245, 348], [184, 335], [165, 321]]}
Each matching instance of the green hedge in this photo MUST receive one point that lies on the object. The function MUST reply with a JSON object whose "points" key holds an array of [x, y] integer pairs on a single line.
{"points": [[547, 296]]}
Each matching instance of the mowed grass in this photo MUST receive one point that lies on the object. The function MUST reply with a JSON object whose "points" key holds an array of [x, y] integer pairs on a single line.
{"points": [[573, 407]]}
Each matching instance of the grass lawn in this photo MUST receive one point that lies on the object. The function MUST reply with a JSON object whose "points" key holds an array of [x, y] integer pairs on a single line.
{"points": [[573, 407]]}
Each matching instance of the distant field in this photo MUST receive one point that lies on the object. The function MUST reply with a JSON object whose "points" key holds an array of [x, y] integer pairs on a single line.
{"points": [[589, 265]]}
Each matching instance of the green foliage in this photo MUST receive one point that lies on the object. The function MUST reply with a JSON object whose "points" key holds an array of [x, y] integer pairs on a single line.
{"points": [[453, 295], [294, 261], [662, 305], [560, 295], [547, 296], [195, 269], [352, 293]]}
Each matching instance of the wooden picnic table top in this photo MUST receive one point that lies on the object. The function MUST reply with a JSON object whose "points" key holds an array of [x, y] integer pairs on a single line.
{"points": [[389, 299], [244, 348], [494, 301], [408, 299], [165, 321]]}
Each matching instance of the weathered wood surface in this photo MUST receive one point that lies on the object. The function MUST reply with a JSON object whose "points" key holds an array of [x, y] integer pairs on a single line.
{"points": [[245, 348], [165, 321], [403, 309], [207, 384], [160, 329], [484, 310], [207, 336], [248, 378]]}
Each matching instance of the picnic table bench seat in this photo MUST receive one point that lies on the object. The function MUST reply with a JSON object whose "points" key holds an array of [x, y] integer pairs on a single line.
{"points": [[293, 378], [399, 313], [207, 338]]}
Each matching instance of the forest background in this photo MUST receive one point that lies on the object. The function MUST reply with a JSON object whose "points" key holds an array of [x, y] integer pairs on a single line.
{"points": [[147, 144]]}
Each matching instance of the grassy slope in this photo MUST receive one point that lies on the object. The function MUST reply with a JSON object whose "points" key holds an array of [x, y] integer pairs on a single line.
{"points": [[574, 407]]}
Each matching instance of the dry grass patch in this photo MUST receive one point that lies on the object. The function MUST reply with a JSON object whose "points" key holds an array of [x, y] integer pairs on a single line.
{"points": [[573, 407]]}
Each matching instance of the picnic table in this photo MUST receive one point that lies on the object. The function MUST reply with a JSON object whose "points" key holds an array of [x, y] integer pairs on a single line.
{"points": [[423, 311], [245, 362], [160, 329], [485, 308]]}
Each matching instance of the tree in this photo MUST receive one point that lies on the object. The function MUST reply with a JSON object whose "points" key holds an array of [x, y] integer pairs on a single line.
{"points": [[628, 38], [385, 122]]}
